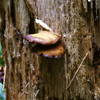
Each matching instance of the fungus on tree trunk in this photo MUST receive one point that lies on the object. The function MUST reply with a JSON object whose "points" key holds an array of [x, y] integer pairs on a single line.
{"points": [[48, 44]]}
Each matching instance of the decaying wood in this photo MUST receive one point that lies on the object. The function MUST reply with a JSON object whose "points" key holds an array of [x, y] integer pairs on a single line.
{"points": [[30, 77], [77, 70]]}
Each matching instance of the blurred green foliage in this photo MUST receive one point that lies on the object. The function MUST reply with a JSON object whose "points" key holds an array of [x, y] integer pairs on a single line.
{"points": [[1, 56]]}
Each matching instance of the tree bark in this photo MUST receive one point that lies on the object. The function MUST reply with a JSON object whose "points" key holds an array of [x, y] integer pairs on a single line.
{"points": [[31, 77]]}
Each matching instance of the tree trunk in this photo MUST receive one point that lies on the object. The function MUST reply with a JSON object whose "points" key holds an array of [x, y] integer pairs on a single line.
{"points": [[31, 77]]}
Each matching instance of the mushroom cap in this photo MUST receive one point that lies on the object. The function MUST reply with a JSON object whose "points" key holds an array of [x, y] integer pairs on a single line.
{"points": [[53, 51], [44, 38]]}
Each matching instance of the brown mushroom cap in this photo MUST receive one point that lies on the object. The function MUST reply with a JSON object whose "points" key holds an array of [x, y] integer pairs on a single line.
{"points": [[44, 38], [53, 51]]}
